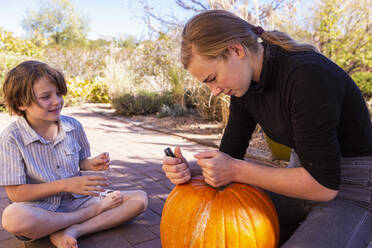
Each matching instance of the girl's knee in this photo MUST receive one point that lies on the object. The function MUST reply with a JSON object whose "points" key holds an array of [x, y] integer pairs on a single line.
{"points": [[17, 219]]}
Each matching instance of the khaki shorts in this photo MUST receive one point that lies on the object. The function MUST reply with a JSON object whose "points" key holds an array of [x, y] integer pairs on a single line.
{"points": [[69, 203]]}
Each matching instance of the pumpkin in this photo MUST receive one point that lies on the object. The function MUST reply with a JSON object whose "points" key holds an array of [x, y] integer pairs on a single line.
{"points": [[200, 216]]}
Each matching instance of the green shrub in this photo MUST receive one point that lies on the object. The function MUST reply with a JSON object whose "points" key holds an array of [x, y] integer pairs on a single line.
{"points": [[141, 103], [175, 110], [27, 47], [83, 91], [364, 82], [2, 108], [9, 60]]}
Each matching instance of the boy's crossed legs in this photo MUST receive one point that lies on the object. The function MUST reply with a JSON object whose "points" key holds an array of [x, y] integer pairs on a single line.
{"points": [[65, 227]]}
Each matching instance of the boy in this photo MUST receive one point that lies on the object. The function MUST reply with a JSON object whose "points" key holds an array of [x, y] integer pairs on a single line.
{"points": [[41, 155]]}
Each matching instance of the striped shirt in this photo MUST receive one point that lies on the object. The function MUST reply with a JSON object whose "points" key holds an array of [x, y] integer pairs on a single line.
{"points": [[28, 158]]}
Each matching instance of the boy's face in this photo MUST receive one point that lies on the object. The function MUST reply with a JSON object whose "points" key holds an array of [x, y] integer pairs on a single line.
{"points": [[49, 102]]}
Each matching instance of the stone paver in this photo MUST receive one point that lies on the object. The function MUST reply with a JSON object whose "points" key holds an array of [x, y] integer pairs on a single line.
{"points": [[136, 155]]}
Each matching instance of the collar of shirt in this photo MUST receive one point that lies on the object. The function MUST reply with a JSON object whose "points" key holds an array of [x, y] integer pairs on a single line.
{"points": [[30, 135], [268, 70]]}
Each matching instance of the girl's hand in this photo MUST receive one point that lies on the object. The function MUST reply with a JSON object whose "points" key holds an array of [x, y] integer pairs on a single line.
{"points": [[218, 167], [85, 185], [176, 169], [100, 162]]}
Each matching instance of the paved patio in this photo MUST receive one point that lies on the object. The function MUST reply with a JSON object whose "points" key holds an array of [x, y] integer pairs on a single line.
{"points": [[136, 155]]}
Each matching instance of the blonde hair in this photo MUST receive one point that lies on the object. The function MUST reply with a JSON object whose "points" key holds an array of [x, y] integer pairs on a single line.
{"points": [[211, 32], [18, 84]]}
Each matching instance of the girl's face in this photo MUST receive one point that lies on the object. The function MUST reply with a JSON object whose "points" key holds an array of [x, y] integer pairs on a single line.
{"points": [[49, 103], [231, 77]]}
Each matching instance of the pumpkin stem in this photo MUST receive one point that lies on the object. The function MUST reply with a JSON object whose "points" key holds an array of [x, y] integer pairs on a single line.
{"points": [[220, 188]]}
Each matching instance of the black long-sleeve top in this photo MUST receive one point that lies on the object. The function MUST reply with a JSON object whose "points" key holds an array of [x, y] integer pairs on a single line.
{"points": [[305, 101]]}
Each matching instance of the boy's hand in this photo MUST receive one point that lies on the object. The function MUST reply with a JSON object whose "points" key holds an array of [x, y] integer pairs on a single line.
{"points": [[100, 162], [176, 169], [85, 185]]}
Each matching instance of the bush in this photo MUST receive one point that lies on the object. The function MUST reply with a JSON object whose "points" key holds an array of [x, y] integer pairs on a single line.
{"points": [[210, 107], [175, 110], [77, 61], [2, 108], [156, 64], [82, 91], [9, 60], [364, 82], [117, 74], [26, 47], [142, 103]]}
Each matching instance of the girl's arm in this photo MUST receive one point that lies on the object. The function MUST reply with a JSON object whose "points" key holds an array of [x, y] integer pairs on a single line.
{"points": [[292, 182], [238, 131], [220, 169]]}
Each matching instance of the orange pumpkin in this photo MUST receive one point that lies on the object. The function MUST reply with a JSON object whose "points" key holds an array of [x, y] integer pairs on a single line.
{"points": [[199, 216]]}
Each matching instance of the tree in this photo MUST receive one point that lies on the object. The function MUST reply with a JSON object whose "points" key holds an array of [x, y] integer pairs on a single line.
{"points": [[255, 11], [343, 32], [57, 20]]}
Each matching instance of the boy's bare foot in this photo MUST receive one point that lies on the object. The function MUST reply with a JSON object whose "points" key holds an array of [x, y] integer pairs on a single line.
{"points": [[112, 200], [65, 239]]}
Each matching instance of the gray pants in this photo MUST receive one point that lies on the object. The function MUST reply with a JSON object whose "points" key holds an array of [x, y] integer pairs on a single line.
{"points": [[344, 222]]}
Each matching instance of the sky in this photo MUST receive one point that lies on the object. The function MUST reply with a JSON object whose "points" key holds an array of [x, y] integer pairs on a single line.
{"points": [[108, 18]]}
